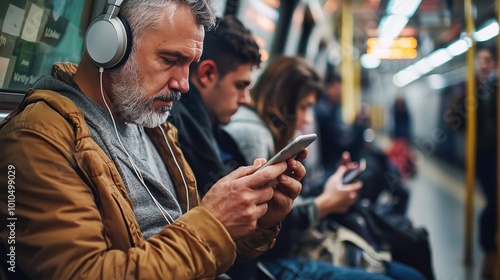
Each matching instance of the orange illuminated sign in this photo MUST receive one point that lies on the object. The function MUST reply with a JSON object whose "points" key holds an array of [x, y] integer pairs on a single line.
{"points": [[399, 48]]}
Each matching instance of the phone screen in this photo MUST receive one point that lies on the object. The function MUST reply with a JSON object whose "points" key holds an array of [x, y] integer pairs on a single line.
{"points": [[353, 174]]}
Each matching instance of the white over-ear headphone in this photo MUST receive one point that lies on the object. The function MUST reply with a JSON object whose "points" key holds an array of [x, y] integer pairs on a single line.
{"points": [[108, 39]]}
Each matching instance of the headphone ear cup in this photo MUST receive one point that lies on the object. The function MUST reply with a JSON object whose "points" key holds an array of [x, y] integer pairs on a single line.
{"points": [[108, 41]]}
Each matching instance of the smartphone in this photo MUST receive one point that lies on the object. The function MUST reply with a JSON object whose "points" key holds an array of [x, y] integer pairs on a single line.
{"points": [[292, 149], [353, 174]]}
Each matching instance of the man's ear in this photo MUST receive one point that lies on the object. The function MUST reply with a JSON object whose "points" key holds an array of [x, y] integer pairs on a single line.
{"points": [[207, 73]]}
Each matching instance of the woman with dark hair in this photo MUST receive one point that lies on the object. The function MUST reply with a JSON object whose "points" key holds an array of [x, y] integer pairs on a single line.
{"points": [[281, 101]]}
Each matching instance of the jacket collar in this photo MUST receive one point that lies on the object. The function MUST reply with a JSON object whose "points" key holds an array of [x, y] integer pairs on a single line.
{"points": [[193, 102]]}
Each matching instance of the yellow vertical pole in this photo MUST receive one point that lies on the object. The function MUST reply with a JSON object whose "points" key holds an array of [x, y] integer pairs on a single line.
{"points": [[347, 64], [357, 86], [470, 176]]}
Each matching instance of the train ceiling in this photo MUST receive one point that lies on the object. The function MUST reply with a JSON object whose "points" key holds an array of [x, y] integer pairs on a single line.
{"points": [[435, 23]]}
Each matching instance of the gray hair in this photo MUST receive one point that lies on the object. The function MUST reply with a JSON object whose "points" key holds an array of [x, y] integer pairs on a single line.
{"points": [[138, 13]]}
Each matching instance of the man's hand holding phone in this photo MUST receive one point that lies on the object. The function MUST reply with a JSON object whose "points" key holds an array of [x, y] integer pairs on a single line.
{"points": [[273, 199], [284, 185], [245, 199], [286, 190]]}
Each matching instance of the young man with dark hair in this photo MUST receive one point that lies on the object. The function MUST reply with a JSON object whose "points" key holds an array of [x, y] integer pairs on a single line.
{"points": [[219, 84]]}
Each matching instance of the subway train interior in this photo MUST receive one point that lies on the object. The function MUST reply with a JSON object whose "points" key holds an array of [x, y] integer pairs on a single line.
{"points": [[420, 54]]}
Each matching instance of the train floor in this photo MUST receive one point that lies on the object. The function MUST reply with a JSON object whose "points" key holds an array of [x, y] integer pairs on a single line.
{"points": [[438, 202]]}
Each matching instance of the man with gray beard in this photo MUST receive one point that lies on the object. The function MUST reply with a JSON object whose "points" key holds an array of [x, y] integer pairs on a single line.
{"points": [[102, 189]]}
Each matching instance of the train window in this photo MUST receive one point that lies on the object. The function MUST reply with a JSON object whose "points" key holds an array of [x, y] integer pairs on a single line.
{"points": [[34, 34], [261, 16]]}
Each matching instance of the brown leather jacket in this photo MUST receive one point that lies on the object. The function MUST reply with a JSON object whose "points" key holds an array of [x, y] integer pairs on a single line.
{"points": [[73, 217]]}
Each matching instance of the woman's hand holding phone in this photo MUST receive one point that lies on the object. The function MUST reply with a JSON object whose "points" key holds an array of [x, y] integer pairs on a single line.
{"points": [[354, 169], [336, 196], [352, 174]]}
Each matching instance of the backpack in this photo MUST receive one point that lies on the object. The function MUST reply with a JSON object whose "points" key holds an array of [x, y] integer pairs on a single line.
{"points": [[408, 245], [340, 246]]}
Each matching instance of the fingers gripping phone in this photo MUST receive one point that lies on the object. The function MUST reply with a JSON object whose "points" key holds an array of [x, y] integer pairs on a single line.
{"points": [[353, 174], [292, 149]]}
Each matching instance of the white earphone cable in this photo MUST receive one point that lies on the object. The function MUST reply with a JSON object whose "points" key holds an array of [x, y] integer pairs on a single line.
{"points": [[135, 168], [178, 167]]}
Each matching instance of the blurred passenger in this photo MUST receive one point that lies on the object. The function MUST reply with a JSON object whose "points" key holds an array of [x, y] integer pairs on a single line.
{"points": [[401, 119], [485, 104], [335, 136], [282, 102], [400, 152], [101, 188], [487, 145]]}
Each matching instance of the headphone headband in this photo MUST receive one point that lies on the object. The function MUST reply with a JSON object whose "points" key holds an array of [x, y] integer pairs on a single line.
{"points": [[116, 3], [114, 7]]}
